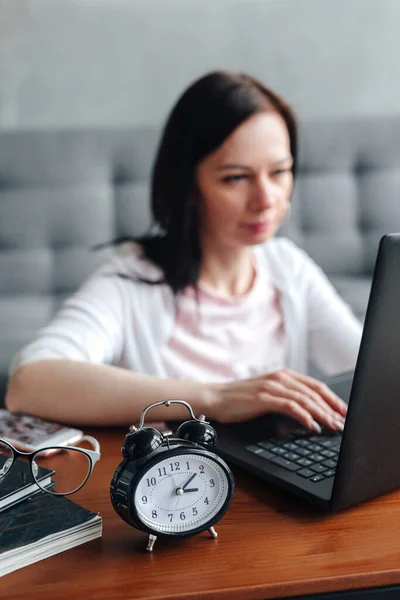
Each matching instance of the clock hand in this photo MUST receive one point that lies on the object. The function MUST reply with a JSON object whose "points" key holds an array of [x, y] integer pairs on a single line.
{"points": [[190, 490], [181, 490], [189, 481]]}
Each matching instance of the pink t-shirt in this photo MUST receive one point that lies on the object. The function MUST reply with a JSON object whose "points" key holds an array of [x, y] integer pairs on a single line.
{"points": [[217, 339]]}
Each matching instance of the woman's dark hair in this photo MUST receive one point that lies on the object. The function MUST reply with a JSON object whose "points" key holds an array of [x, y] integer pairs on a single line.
{"points": [[201, 120]]}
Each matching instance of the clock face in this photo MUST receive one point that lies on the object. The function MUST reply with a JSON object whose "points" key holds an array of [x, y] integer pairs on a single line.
{"points": [[181, 493]]}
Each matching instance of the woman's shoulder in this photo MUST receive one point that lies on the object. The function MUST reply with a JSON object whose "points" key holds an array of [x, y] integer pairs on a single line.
{"points": [[129, 261]]}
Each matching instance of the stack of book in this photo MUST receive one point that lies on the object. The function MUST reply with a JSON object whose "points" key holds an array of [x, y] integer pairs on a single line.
{"points": [[34, 524]]}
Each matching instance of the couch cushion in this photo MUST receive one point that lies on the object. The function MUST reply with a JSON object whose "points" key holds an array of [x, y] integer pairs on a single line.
{"points": [[346, 194]]}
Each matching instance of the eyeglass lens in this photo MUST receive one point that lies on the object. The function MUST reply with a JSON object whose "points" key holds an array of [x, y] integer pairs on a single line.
{"points": [[6, 459], [68, 468]]}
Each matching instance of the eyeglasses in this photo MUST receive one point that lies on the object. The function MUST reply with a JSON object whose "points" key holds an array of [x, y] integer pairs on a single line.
{"points": [[57, 470]]}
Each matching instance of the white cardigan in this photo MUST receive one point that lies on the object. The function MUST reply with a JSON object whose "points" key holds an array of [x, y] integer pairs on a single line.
{"points": [[124, 322]]}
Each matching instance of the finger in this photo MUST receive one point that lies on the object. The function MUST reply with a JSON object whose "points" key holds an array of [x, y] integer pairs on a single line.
{"points": [[323, 390], [323, 393], [317, 413], [291, 409], [294, 384]]}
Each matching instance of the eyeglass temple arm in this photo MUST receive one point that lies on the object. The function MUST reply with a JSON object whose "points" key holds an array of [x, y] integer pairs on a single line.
{"points": [[95, 454], [92, 440]]}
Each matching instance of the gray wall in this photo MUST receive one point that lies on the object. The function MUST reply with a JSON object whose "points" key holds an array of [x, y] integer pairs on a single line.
{"points": [[74, 63]]}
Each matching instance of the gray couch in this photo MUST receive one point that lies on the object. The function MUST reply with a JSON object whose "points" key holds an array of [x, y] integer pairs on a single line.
{"points": [[63, 192]]}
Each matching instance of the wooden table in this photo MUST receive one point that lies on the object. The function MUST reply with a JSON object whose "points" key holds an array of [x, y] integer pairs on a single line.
{"points": [[269, 545]]}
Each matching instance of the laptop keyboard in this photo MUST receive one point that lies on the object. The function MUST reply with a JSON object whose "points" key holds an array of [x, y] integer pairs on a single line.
{"points": [[313, 457]]}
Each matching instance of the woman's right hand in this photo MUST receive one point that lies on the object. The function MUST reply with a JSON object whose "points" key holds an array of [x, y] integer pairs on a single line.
{"points": [[309, 401]]}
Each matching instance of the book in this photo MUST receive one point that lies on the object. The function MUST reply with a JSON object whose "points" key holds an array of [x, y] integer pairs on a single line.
{"points": [[29, 433], [19, 483], [42, 526]]}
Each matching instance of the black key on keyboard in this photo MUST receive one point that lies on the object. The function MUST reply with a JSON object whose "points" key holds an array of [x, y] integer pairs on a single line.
{"points": [[286, 464], [304, 462], [290, 446], [254, 449], [329, 453], [330, 463], [333, 443], [302, 442], [314, 447], [291, 456], [306, 473], [265, 454], [278, 450], [303, 451], [318, 468], [267, 445], [316, 457], [259, 451]]}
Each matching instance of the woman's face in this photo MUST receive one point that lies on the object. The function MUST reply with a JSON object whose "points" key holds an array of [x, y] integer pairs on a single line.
{"points": [[245, 185]]}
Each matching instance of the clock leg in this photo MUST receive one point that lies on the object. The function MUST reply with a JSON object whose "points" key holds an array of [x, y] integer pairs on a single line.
{"points": [[150, 543], [213, 533]]}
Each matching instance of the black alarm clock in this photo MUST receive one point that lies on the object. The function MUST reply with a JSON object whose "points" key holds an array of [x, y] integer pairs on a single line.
{"points": [[172, 486]]}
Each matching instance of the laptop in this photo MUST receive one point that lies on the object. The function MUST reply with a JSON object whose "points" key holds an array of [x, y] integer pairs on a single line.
{"points": [[337, 470]]}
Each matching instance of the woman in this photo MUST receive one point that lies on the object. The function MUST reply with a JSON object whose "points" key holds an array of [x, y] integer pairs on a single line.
{"points": [[211, 308]]}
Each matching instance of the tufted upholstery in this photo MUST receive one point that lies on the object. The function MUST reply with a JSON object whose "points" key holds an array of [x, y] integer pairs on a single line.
{"points": [[62, 192], [346, 198]]}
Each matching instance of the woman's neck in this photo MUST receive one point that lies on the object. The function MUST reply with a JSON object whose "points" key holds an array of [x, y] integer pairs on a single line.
{"points": [[230, 273]]}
